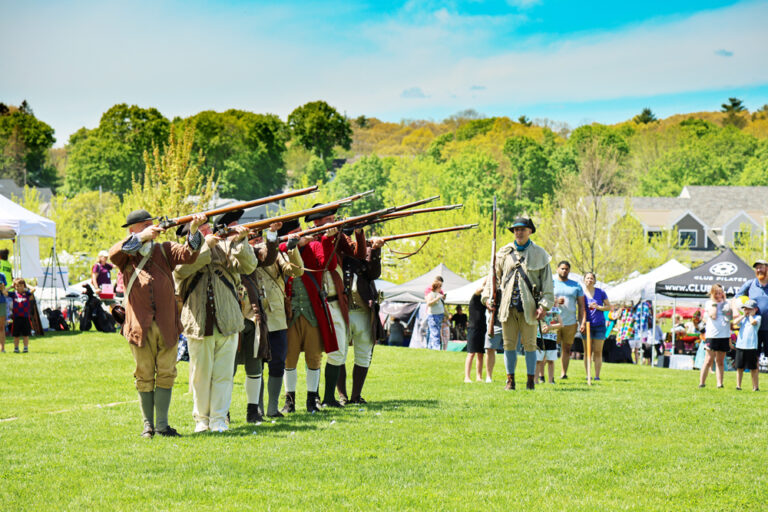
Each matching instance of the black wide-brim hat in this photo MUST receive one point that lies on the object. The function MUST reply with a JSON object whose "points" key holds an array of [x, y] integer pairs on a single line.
{"points": [[288, 226], [522, 222], [319, 215], [137, 216], [228, 218]]}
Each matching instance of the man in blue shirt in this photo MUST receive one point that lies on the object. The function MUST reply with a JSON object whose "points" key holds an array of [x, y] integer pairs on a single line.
{"points": [[569, 297], [757, 289]]}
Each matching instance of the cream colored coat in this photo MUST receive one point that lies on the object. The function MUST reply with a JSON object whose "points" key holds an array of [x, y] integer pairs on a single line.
{"points": [[536, 265], [231, 260], [272, 279]]}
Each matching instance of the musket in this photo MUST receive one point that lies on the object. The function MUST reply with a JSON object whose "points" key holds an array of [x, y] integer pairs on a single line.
{"points": [[167, 223], [399, 210], [400, 215], [264, 223], [351, 221], [427, 232], [493, 274]]}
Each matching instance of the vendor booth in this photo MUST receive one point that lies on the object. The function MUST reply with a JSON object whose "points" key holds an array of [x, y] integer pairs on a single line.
{"points": [[725, 269]]}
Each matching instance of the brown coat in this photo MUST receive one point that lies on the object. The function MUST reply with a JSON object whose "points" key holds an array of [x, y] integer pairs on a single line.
{"points": [[152, 296]]}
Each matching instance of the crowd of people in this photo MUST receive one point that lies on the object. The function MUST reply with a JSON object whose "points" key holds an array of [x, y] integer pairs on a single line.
{"points": [[240, 298]]}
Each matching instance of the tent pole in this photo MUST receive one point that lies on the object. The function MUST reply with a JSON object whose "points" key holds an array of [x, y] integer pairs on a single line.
{"points": [[653, 336], [674, 314]]}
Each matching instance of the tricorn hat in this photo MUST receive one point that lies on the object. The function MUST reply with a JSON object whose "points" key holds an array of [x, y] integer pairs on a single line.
{"points": [[522, 222], [228, 218], [137, 216], [319, 215], [288, 226]]}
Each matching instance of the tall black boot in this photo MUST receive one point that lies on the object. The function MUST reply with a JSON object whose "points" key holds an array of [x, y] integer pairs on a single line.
{"points": [[331, 378], [312, 398], [290, 402], [341, 385], [358, 380], [531, 384]]}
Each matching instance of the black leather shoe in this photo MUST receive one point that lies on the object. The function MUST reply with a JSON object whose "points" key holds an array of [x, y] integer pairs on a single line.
{"points": [[333, 403], [312, 402], [359, 400], [253, 415], [278, 414], [343, 400], [290, 403], [168, 431]]}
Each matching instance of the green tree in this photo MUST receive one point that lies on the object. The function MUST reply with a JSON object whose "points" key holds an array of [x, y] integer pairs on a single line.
{"points": [[245, 149], [734, 105], [530, 176], [319, 127], [645, 116], [523, 120], [24, 145], [111, 155], [368, 173]]}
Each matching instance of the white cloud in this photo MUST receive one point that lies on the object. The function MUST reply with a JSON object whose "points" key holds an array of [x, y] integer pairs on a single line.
{"points": [[413, 93]]}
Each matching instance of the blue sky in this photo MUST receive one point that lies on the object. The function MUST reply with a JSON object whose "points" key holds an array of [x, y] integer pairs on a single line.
{"points": [[568, 61]]}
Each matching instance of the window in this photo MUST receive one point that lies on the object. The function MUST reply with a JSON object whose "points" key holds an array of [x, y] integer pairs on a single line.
{"points": [[654, 235], [688, 235]]}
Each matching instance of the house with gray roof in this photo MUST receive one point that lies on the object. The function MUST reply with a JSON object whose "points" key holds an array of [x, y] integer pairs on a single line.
{"points": [[707, 217]]}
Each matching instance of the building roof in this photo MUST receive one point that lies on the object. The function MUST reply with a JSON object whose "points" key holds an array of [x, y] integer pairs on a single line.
{"points": [[9, 188]]}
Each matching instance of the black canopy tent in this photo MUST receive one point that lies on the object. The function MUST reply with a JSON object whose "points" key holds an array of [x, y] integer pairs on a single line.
{"points": [[725, 269]]}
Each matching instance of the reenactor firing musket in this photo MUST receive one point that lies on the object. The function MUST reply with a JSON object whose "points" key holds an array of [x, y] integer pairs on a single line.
{"points": [[427, 232], [167, 223], [264, 223]]}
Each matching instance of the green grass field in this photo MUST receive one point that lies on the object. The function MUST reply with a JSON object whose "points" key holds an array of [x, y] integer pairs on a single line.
{"points": [[641, 439]]}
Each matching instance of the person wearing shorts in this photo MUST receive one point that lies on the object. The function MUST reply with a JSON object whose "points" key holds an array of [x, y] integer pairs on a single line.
{"points": [[718, 334], [21, 313], [546, 352], [569, 298], [747, 342], [597, 302]]}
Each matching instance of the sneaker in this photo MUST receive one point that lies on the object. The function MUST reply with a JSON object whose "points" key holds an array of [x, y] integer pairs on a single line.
{"points": [[597, 378], [488, 380], [563, 377], [701, 385], [738, 388], [168, 431], [467, 380], [542, 380], [219, 429], [16, 351], [201, 427]]}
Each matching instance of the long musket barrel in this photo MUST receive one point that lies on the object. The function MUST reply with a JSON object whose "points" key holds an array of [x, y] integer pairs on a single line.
{"points": [[264, 223], [398, 210], [351, 221], [169, 223], [493, 274], [399, 215], [428, 232]]}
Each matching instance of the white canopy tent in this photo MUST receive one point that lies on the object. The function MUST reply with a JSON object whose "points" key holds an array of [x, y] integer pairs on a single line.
{"points": [[413, 291], [643, 287], [29, 227]]}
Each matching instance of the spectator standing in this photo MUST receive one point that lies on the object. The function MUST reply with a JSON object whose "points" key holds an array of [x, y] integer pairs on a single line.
{"points": [[746, 344], [569, 298], [597, 302], [546, 353], [100, 273], [459, 321], [5, 267], [436, 305], [21, 313], [3, 310], [718, 334], [476, 337], [757, 289]]}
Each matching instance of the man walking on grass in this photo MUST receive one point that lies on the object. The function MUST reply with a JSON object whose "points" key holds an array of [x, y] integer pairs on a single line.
{"points": [[152, 324], [525, 279], [569, 298]]}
